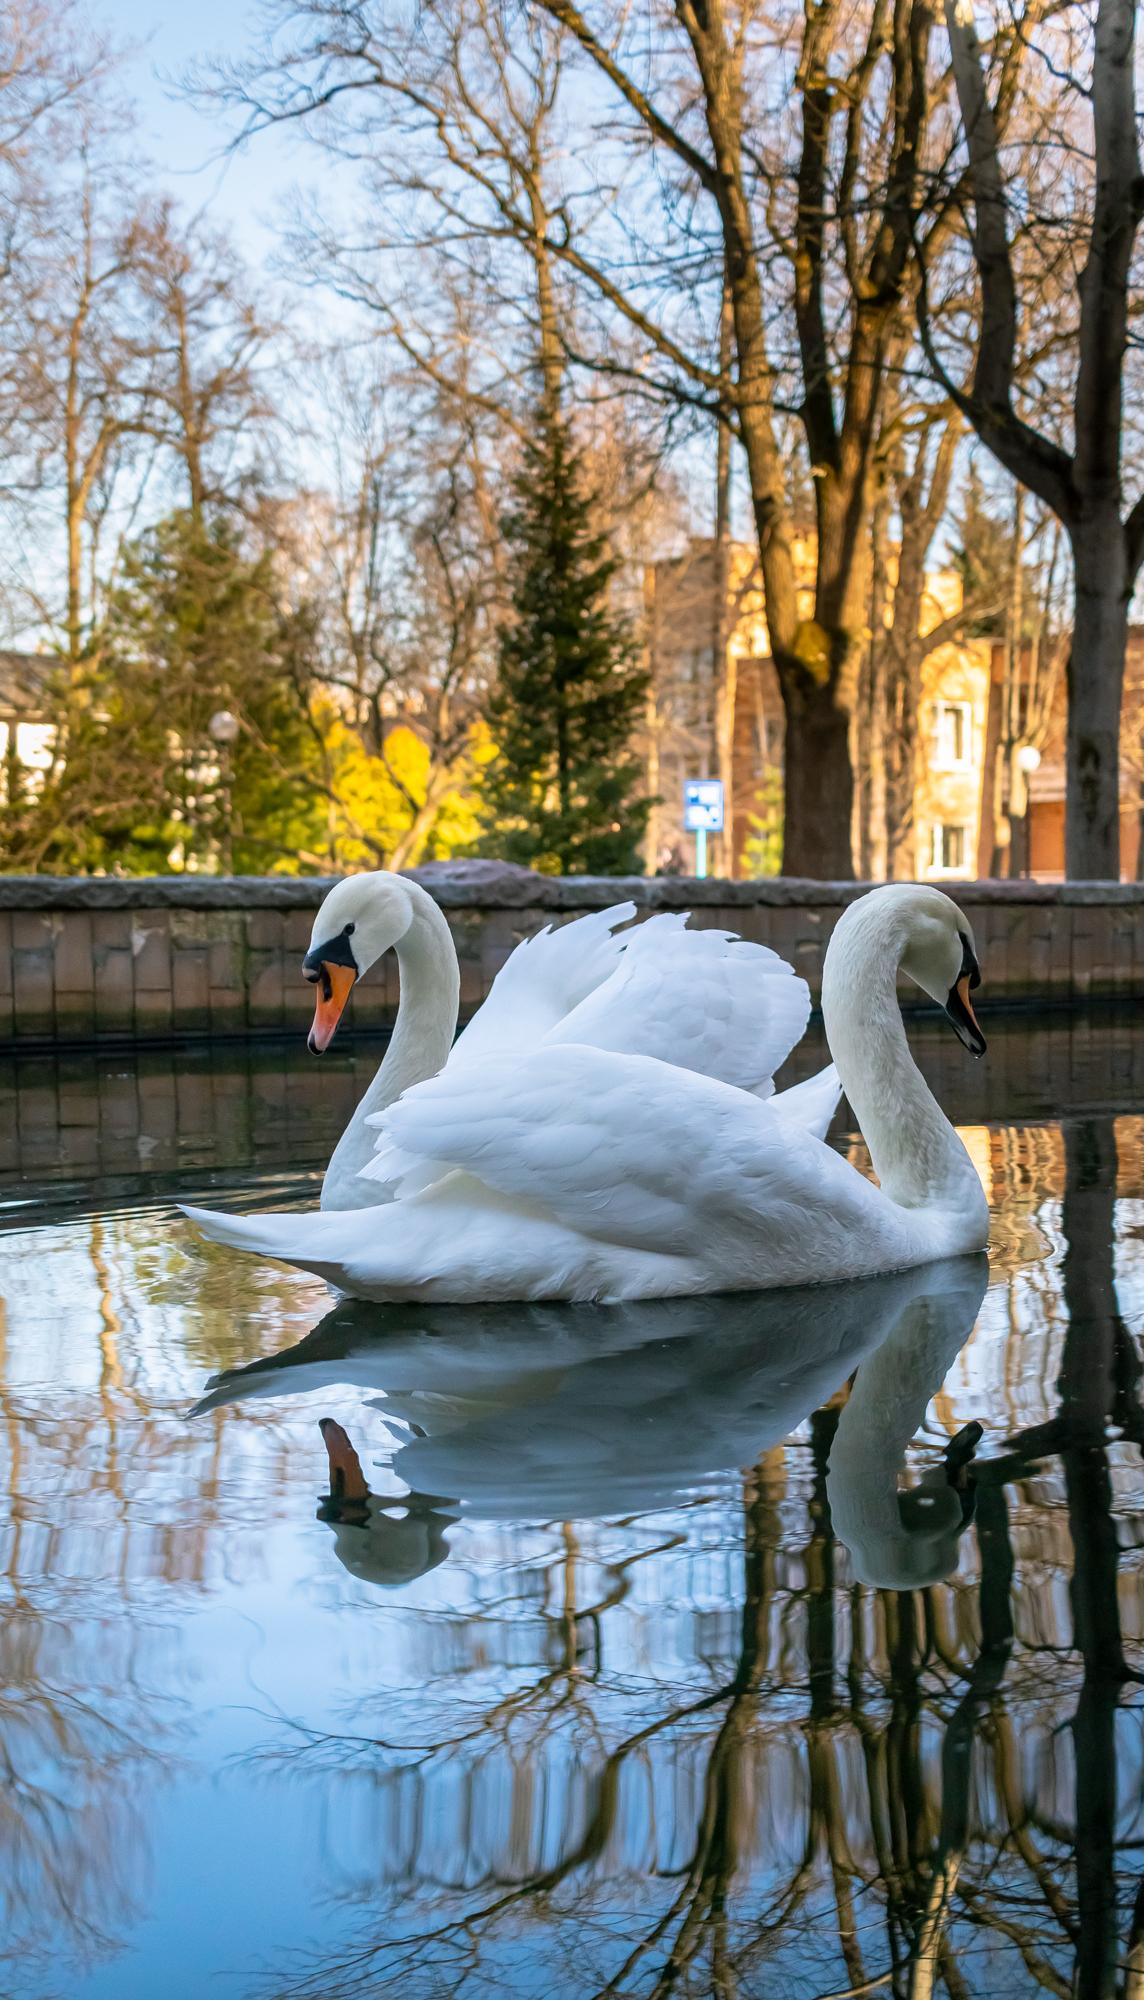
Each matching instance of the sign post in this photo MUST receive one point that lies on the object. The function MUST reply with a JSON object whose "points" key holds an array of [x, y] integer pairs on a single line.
{"points": [[702, 814]]}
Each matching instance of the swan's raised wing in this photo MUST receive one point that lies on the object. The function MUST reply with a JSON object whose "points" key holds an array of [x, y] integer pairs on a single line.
{"points": [[633, 1152], [702, 999], [542, 981]]}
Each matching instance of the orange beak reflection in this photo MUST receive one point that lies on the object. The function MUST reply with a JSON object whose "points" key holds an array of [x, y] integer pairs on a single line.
{"points": [[335, 983]]}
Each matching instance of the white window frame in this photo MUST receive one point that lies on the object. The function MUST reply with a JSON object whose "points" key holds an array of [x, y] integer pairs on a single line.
{"points": [[938, 864], [944, 757]]}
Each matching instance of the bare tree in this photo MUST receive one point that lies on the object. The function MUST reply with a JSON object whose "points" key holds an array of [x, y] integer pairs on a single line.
{"points": [[402, 563], [455, 122], [208, 398], [449, 120], [1083, 485], [841, 223]]}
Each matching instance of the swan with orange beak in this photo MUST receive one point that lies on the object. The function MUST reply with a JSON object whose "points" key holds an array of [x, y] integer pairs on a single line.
{"points": [[333, 969]]}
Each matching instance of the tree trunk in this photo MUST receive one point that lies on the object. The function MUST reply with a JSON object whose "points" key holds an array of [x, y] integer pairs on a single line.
{"points": [[726, 674], [869, 773], [819, 783], [409, 845], [903, 678], [1095, 681], [1015, 804], [75, 583], [651, 765], [873, 744]]}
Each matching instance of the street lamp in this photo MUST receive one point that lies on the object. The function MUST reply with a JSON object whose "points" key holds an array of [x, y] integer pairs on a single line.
{"points": [[1028, 758], [223, 728]]}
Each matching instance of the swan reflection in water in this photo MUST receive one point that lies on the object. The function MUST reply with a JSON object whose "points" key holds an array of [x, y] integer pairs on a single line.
{"points": [[548, 1412]]}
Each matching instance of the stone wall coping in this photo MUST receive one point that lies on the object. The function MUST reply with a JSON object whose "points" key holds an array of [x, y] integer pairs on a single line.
{"points": [[497, 887]]}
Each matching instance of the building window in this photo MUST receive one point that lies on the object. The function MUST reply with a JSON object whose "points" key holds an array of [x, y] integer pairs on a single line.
{"points": [[950, 848], [952, 735]]}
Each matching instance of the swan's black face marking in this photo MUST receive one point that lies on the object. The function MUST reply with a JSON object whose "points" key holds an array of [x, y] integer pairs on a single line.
{"points": [[336, 951], [959, 1006], [332, 968]]}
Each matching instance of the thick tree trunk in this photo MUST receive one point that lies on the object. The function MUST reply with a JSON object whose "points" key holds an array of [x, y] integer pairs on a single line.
{"points": [[1095, 682], [819, 783]]}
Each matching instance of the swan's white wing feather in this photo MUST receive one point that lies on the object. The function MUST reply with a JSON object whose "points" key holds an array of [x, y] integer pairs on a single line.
{"points": [[809, 1106], [545, 977], [701, 999], [541, 981], [627, 1150]]}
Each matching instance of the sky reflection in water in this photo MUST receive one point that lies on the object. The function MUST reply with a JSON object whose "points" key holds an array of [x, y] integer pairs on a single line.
{"points": [[657, 1658]]}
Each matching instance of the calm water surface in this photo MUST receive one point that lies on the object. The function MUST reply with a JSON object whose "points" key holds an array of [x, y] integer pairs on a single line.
{"points": [[702, 1648]]}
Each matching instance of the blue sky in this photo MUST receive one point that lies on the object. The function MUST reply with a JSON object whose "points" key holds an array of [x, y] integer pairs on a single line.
{"points": [[185, 142]]}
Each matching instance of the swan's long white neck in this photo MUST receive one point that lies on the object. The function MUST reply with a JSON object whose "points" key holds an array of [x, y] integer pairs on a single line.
{"points": [[917, 1155], [430, 988]]}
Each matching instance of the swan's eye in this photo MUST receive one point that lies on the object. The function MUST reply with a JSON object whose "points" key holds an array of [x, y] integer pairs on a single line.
{"points": [[348, 930]]}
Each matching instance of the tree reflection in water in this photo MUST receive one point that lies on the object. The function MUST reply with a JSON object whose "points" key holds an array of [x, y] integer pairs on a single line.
{"points": [[901, 1781], [863, 1718]]}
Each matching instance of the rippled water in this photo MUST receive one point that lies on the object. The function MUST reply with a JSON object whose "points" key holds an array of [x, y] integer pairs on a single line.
{"points": [[700, 1648]]}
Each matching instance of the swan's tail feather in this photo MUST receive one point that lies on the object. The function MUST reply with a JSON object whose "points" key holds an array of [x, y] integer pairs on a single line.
{"points": [[309, 1240], [397, 1262], [809, 1106]]}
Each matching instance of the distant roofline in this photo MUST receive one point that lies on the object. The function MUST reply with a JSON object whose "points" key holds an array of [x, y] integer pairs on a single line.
{"points": [[22, 680]]}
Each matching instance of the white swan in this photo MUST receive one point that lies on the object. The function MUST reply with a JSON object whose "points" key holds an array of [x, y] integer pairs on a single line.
{"points": [[579, 1172], [699, 998]]}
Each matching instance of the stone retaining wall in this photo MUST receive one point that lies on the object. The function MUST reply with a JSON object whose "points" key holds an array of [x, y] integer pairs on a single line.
{"points": [[184, 955]]}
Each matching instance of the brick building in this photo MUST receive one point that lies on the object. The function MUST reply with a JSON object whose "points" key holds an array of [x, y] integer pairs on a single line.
{"points": [[685, 635], [960, 822]]}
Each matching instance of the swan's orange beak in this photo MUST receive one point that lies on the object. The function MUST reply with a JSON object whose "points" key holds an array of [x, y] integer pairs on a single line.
{"points": [[347, 1480], [335, 984], [959, 1008]]}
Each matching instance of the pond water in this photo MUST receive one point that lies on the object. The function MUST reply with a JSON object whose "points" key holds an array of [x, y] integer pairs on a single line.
{"points": [[702, 1648]]}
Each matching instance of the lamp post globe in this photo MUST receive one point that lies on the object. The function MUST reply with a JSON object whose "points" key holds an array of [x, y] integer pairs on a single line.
{"points": [[223, 726]]}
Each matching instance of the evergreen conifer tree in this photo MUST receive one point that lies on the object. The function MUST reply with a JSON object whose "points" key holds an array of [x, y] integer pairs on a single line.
{"points": [[561, 792]]}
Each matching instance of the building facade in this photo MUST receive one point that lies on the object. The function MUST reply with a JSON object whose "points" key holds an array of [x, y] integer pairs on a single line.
{"points": [[688, 643], [707, 719], [27, 736]]}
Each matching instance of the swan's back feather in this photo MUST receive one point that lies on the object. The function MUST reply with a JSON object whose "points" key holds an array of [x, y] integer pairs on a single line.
{"points": [[628, 1150], [701, 999]]}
